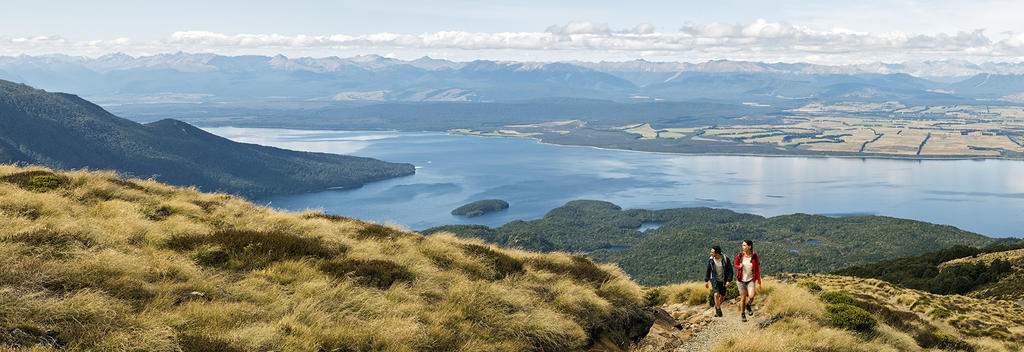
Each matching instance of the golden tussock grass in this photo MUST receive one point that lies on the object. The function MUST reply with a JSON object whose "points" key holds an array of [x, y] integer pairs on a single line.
{"points": [[909, 319], [103, 263]]}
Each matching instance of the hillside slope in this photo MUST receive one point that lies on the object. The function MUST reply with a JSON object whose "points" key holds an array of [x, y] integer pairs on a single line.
{"points": [[799, 312], [994, 272], [64, 131], [91, 261]]}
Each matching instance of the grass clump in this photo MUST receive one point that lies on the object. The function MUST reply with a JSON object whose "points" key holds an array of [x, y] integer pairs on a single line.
{"points": [[503, 264], [838, 297], [810, 286], [654, 296], [928, 339], [28, 335], [940, 313], [578, 267], [850, 317], [201, 343], [160, 213], [378, 232], [246, 249], [36, 181], [42, 238], [690, 293], [329, 217], [380, 274]]}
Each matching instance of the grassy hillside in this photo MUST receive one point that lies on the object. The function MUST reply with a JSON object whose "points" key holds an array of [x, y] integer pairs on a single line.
{"points": [[63, 131], [839, 313], [677, 250], [91, 261]]}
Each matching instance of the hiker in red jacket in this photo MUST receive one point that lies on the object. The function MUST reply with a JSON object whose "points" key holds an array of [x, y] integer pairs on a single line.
{"points": [[748, 270]]}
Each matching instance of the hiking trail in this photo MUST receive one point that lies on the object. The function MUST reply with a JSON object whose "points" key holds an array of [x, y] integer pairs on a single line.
{"points": [[695, 328]]}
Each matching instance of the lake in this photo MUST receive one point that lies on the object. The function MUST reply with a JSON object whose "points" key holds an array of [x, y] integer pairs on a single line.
{"points": [[983, 196]]}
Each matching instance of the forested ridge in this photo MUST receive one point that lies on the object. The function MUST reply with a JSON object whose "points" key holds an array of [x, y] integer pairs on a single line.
{"points": [[677, 249]]}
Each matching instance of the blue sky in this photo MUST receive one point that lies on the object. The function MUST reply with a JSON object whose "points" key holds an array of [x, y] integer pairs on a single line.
{"points": [[670, 30]]}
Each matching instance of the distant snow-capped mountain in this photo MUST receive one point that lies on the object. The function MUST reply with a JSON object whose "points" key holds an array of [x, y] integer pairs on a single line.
{"points": [[121, 79]]}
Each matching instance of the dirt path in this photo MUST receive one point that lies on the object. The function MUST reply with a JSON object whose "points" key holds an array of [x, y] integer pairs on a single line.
{"points": [[697, 328]]}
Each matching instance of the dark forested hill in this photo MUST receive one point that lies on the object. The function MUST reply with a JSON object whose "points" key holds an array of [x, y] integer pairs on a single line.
{"points": [[64, 131], [677, 249], [992, 272]]}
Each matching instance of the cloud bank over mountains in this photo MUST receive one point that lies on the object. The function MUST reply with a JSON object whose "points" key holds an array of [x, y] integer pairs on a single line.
{"points": [[758, 41]]}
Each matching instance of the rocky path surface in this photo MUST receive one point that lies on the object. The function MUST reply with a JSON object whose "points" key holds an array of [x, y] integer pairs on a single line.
{"points": [[694, 328]]}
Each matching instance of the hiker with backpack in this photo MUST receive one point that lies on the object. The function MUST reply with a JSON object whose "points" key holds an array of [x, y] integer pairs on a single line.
{"points": [[748, 270], [718, 274]]}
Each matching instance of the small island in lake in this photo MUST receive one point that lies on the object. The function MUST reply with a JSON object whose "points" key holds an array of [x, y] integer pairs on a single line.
{"points": [[480, 207]]}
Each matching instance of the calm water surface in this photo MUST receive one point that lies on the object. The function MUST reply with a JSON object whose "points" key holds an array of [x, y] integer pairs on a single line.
{"points": [[984, 196]]}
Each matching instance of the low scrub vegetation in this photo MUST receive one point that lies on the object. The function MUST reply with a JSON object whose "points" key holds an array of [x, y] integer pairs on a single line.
{"points": [[102, 263]]}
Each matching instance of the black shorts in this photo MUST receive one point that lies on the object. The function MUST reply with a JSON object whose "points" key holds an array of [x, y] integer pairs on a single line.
{"points": [[718, 286]]}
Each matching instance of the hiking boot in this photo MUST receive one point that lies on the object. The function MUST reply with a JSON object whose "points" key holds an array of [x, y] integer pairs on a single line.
{"points": [[743, 317], [718, 312], [750, 311]]}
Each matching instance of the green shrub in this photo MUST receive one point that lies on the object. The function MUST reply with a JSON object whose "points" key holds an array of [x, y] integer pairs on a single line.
{"points": [[43, 183], [36, 181], [380, 274], [731, 291], [951, 343], [837, 297], [939, 313], [850, 317], [654, 297], [810, 286], [503, 264]]}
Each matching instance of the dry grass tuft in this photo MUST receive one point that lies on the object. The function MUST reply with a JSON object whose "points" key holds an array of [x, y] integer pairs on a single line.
{"points": [[503, 264], [380, 274], [240, 249], [577, 267]]}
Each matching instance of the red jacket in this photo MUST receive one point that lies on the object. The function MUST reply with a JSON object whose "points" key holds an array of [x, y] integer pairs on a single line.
{"points": [[738, 264]]}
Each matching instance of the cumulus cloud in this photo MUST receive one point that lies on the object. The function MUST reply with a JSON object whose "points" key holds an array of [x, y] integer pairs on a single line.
{"points": [[579, 28], [759, 40]]}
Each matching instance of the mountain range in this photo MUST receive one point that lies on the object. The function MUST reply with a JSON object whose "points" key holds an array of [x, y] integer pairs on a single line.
{"points": [[198, 78]]}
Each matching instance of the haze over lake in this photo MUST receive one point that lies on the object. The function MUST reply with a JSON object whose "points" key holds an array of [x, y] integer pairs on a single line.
{"points": [[984, 196]]}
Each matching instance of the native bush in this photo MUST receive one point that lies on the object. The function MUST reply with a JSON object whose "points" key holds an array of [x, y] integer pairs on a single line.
{"points": [[811, 286], [850, 317], [837, 297]]}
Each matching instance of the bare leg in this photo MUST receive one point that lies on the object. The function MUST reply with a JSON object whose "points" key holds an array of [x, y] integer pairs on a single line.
{"points": [[743, 300], [718, 300]]}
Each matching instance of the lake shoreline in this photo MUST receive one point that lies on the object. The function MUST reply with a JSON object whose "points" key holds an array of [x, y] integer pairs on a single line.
{"points": [[535, 176], [541, 141]]}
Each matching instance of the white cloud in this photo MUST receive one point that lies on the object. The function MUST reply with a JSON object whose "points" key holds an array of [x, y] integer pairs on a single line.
{"points": [[759, 40], [579, 28]]}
